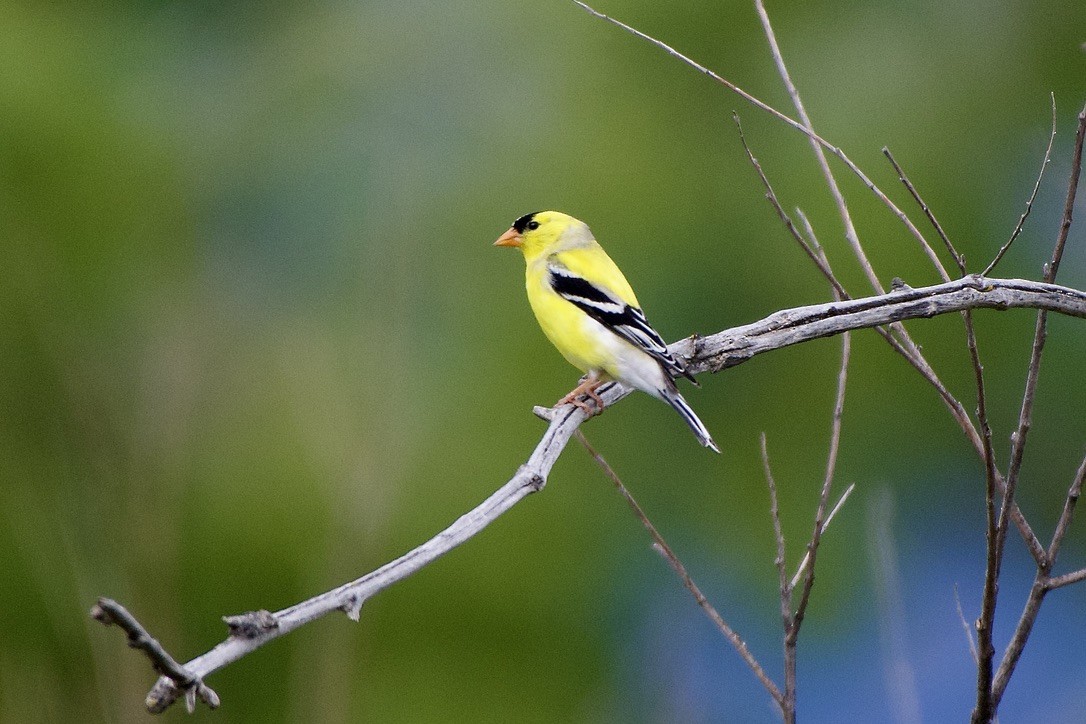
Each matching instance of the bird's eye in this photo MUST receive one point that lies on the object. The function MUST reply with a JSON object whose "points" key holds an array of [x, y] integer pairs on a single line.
{"points": [[533, 225]]}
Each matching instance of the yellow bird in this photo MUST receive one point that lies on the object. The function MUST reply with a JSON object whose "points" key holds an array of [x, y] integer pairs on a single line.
{"points": [[589, 312]]}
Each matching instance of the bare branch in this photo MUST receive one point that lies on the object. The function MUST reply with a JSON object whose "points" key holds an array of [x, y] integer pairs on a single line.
{"points": [[839, 200], [991, 473], [661, 547], [1066, 579], [1040, 335], [781, 329], [1029, 204], [248, 633], [911, 354], [905, 344], [1064, 523], [715, 352], [702, 69], [1018, 640], [906, 347], [984, 651], [109, 612], [1030, 538]]}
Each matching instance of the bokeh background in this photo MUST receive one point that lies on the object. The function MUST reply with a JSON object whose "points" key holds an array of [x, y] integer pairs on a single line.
{"points": [[254, 342]]}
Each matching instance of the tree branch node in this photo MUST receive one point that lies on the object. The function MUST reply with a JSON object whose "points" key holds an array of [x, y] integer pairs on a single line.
{"points": [[251, 624]]}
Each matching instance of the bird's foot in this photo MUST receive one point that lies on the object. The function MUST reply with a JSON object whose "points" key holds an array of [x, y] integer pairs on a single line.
{"points": [[587, 388]]}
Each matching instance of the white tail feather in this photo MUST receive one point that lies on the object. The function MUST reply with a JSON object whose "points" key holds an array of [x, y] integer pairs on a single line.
{"points": [[673, 398]]}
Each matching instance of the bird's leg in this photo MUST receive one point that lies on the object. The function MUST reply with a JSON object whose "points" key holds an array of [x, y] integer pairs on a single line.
{"points": [[591, 392], [587, 387]]}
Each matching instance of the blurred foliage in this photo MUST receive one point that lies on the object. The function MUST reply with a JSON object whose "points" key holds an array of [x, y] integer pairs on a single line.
{"points": [[255, 342]]}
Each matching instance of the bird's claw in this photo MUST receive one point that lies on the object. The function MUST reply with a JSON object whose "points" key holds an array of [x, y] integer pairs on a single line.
{"points": [[588, 389]]}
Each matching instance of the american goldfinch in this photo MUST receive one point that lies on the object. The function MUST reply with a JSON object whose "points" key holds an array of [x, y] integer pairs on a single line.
{"points": [[589, 312]]}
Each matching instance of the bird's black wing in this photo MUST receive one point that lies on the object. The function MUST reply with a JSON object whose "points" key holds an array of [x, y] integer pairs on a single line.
{"points": [[625, 320]]}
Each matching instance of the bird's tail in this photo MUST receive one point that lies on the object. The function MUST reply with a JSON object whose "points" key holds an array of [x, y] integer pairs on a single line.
{"points": [[671, 396]]}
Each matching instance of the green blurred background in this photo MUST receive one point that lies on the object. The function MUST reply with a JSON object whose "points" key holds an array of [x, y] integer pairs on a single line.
{"points": [[255, 342]]}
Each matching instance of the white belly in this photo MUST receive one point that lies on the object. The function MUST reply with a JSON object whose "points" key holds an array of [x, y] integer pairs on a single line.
{"points": [[631, 366]]}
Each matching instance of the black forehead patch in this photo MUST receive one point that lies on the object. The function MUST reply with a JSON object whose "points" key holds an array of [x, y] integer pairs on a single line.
{"points": [[522, 223]]}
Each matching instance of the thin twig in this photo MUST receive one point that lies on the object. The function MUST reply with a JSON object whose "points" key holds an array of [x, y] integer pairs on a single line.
{"points": [[1066, 579], [1040, 335], [1069, 205], [1018, 640], [827, 482], [969, 429], [818, 259], [956, 409], [993, 558], [839, 295], [791, 634], [937, 299], [1033, 543], [802, 567], [109, 612], [990, 470], [907, 348], [778, 535], [788, 698], [851, 236], [965, 625], [1068, 513], [959, 260], [1029, 204], [992, 476], [664, 549]]}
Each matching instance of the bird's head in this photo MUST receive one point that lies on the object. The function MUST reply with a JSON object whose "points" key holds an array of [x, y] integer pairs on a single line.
{"points": [[545, 232]]}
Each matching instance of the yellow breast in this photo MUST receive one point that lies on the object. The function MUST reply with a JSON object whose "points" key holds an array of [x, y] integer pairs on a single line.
{"points": [[576, 335]]}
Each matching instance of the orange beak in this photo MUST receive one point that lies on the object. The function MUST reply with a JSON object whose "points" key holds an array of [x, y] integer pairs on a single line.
{"points": [[509, 238]]}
